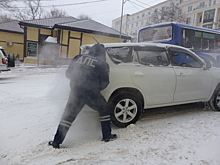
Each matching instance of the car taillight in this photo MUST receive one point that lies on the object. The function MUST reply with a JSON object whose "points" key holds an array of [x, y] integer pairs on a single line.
{"points": [[4, 61]]}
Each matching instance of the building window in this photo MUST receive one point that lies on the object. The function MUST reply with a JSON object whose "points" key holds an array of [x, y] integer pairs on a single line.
{"points": [[210, 2], [117, 23], [142, 15], [163, 8], [179, 12], [137, 17], [188, 20], [172, 5], [214, 2], [200, 18], [128, 19], [189, 8], [181, 1], [202, 5], [137, 24], [142, 22], [132, 19], [148, 13], [209, 26], [209, 16]]}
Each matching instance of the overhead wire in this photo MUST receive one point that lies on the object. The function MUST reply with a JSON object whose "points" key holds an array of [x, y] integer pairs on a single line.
{"points": [[71, 4]]}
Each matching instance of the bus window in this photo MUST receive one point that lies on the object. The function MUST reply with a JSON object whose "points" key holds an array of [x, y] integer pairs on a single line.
{"points": [[189, 37], [198, 43], [217, 42], [198, 40], [156, 34], [205, 44], [208, 41]]}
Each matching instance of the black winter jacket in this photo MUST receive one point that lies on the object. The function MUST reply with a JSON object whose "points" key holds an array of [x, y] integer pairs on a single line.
{"points": [[89, 71]]}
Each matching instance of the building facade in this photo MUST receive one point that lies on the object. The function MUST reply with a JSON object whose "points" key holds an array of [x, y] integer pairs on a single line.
{"points": [[54, 41], [202, 13], [12, 38]]}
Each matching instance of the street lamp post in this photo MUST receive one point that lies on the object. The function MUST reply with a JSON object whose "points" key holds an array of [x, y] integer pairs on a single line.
{"points": [[122, 8]]}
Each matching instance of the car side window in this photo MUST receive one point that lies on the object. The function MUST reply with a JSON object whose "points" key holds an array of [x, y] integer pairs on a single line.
{"points": [[183, 60], [150, 56], [120, 54], [155, 58]]}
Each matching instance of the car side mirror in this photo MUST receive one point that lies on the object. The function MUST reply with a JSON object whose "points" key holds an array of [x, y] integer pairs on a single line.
{"points": [[207, 65]]}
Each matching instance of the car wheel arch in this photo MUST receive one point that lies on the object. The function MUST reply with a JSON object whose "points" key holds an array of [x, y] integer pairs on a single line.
{"points": [[126, 107], [132, 90]]}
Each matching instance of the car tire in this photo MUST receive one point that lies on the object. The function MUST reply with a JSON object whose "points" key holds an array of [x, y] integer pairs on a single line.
{"points": [[215, 100], [125, 109], [11, 60]]}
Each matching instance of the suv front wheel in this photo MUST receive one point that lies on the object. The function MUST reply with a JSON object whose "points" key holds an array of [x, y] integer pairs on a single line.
{"points": [[215, 100], [125, 109]]}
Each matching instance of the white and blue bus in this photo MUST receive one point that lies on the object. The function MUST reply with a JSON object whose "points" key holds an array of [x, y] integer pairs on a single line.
{"points": [[204, 42]]}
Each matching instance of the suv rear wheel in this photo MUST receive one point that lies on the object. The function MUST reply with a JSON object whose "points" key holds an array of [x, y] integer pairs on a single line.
{"points": [[215, 100], [125, 109]]}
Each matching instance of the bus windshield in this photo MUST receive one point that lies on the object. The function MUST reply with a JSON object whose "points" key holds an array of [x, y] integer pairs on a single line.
{"points": [[156, 34]]}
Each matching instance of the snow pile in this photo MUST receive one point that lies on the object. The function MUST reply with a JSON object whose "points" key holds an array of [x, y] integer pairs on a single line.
{"points": [[33, 99]]}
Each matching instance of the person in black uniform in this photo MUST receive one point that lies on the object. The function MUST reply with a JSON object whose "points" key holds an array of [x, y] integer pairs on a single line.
{"points": [[88, 74]]}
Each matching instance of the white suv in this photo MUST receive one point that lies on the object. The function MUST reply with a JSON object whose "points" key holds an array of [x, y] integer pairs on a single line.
{"points": [[150, 75], [6, 61], [3, 60]]}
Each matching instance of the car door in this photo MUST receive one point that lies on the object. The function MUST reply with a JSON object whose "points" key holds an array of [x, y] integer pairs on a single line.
{"points": [[153, 75], [192, 80]]}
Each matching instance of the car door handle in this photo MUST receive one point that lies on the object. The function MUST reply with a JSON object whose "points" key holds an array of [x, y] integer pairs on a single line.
{"points": [[138, 74], [181, 74]]}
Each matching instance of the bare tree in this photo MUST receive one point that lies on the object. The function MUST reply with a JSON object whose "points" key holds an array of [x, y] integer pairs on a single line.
{"points": [[5, 3], [169, 13], [32, 10], [83, 17], [55, 13], [5, 18]]}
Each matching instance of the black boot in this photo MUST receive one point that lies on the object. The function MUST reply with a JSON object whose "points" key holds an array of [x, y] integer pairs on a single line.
{"points": [[54, 144], [111, 138], [59, 136], [106, 131]]}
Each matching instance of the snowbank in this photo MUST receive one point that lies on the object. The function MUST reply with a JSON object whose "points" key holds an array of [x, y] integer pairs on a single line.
{"points": [[32, 101]]}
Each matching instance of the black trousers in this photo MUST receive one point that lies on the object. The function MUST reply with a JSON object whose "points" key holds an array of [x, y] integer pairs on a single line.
{"points": [[77, 100]]}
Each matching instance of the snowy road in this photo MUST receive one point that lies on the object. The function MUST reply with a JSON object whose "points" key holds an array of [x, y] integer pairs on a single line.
{"points": [[32, 101]]}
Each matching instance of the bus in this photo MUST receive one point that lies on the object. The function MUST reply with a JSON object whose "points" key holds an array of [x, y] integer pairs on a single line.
{"points": [[204, 42]]}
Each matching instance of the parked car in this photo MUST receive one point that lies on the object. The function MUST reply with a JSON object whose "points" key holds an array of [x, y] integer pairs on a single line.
{"points": [[6, 61], [151, 75]]}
